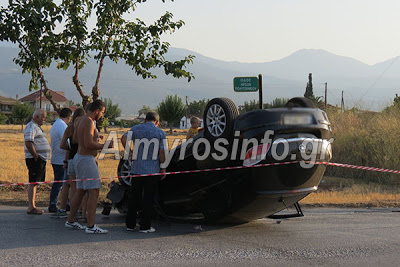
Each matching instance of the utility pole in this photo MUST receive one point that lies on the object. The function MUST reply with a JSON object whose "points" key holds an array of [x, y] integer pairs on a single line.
{"points": [[40, 96], [260, 92], [187, 110], [326, 93], [342, 104]]}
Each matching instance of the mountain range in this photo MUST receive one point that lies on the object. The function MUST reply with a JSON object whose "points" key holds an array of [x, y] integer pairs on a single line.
{"points": [[367, 86]]}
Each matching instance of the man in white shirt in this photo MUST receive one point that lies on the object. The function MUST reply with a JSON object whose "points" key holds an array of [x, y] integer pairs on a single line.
{"points": [[58, 155], [37, 153]]}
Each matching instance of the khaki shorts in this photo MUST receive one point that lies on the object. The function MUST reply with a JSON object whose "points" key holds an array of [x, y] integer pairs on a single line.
{"points": [[86, 168]]}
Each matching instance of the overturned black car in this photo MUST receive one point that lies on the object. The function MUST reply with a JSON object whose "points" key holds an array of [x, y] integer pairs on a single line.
{"points": [[295, 136]]}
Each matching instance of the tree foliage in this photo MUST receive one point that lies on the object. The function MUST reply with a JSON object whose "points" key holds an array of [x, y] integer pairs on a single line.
{"points": [[309, 89], [254, 104], [32, 25], [144, 109], [171, 109], [196, 108], [249, 106], [22, 113], [3, 118], [112, 110], [276, 103]]}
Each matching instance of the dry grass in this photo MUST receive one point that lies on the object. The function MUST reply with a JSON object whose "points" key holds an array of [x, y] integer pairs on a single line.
{"points": [[13, 169], [351, 199]]}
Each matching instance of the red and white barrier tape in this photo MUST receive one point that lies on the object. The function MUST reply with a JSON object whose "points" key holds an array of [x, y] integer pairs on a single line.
{"points": [[213, 169]]}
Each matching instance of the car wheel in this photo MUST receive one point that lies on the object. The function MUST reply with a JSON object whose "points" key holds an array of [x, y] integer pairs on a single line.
{"points": [[219, 117], [300, 102], [124, 169]]}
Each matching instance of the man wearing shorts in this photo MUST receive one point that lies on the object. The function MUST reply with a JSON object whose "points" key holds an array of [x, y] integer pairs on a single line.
{"points": [[37, 153], [86, 168]]}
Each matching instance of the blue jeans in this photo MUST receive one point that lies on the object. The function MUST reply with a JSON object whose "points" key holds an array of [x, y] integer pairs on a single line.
{"points": [[59, 175]]}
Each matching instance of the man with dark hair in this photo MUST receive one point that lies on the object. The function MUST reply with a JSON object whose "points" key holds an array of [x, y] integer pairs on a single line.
{"points": [[37, 153], [86, 168], [57, 157], [148, 155]]}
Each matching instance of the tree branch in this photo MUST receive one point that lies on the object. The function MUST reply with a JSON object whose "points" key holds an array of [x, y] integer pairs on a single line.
{"points": [[47, 93], [75, 80], [42, 81], [95, 89]]}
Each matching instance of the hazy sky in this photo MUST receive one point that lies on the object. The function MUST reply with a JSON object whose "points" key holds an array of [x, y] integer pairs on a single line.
{"points": [[266, 30]]}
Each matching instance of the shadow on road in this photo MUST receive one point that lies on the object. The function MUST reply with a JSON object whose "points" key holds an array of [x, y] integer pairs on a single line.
{"points": [[18, 230]]}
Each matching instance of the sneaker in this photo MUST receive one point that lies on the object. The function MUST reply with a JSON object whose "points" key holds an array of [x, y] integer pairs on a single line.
{"points": [[95, 230], [130, 229], [74, 225], [79, 214], [59, 215], [150, 230]]}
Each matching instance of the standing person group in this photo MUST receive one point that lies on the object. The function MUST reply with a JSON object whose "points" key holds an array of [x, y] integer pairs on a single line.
{"points": [[80, 140], [71, 147]]}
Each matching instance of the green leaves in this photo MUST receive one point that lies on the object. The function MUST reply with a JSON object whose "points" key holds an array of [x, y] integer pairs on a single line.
{"points": [[112, 110], [171, 109], [22, 112], [32, 25]]}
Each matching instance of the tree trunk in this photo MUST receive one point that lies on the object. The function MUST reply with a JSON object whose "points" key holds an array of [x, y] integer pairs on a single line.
{"points": [[75, 80], [47, 93], [95, 89]]}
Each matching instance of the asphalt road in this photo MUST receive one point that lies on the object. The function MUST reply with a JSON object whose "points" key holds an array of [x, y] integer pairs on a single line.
{"points": [[325, 236]]}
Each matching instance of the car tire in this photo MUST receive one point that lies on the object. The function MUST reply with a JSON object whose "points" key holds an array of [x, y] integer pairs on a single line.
{"points": [[219, 118], [300, 102], [124, 169]]}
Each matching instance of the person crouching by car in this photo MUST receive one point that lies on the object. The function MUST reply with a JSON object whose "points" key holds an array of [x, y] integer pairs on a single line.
{"points": [[145, 187], [195, 129]]}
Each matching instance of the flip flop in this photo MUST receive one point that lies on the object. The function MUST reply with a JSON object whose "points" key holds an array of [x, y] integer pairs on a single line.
{"points": [[35, 211]]}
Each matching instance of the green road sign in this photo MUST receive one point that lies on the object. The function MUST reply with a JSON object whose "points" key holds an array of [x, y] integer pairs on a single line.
{"points": [[245, 84]]}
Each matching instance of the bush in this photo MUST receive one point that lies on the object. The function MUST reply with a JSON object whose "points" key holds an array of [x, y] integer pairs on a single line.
{"points": [[3, 118], [368, 139]]}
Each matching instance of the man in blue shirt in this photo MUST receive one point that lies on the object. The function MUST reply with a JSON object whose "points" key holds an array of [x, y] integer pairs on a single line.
{"points": [[147, 156]]}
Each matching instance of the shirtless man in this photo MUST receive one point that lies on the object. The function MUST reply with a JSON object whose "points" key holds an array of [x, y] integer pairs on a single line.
{"points": [[86, 167]]}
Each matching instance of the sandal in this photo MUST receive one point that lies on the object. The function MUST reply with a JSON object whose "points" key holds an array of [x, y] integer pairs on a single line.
{"points": [[35, 211]]}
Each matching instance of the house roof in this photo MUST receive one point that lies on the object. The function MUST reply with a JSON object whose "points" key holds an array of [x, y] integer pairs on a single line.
{"points": [[73, 108], [57, 97], [7, 101]]}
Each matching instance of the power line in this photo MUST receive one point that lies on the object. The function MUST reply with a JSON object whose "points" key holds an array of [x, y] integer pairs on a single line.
{"points": [[379, 77]]}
